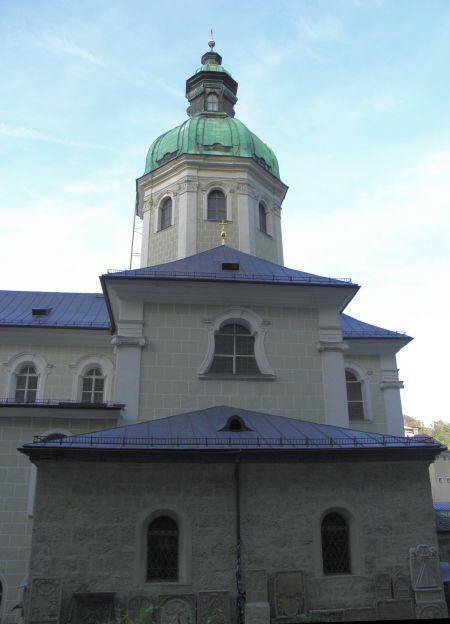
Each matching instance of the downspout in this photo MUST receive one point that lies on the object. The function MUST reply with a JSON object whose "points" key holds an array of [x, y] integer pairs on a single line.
{"points": [[240, 594]]}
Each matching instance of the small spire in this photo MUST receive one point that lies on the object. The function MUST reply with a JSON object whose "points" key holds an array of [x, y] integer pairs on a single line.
{"points": [[211, 42], [223, 233]]}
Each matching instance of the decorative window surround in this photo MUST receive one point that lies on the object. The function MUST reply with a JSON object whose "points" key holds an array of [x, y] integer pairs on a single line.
{"points": [[257, 327], [157, 213], [362, 376], [217, 186], [20, 360], [81, 368]]}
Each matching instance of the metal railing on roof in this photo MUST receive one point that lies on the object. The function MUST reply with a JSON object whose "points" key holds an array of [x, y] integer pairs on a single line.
{"points": [[59, 403], [238, 441], [228, 276], [382, 333], [49, 323]]}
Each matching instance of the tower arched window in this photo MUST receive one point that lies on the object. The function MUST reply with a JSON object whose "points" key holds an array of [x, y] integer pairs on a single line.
{"points": [[262, 217], [234, 351], [217, 206], [162, 549], [212, 102], [166, 214], [355, 399], [93, 385], [335, 544], [26, 384]]}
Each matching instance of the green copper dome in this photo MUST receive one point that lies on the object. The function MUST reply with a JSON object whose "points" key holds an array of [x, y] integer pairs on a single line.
{"points": [[217, 134], [212, 68]]}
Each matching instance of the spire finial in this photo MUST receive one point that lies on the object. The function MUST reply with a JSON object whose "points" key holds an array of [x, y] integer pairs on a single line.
{"points": [[223, 233], [211, 42]]}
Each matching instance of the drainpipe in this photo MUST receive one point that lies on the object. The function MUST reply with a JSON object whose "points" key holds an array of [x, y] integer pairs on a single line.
{"points": [[240, 594]]}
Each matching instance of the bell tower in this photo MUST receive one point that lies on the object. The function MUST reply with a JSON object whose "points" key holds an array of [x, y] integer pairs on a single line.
{"points": [[210, 169]]}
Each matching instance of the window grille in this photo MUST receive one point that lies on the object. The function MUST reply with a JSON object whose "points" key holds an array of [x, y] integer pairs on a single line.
{"points": [[212, 102], [93, 386], [262, 218], [26, 385], [335, 544], [217, 206], [166, 214], [234, 351], [354, 396], [162, 550]]}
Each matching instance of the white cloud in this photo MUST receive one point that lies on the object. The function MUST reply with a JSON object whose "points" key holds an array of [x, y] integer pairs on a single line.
{"points": [[53, 43], [20, 132], [327, 28]]}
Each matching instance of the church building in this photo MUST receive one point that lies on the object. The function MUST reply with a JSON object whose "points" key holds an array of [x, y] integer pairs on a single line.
{"points": [[210, 438]]}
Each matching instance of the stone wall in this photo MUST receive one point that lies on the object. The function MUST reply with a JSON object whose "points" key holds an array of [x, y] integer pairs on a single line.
{"points": [[15, 486], [90, 524]]}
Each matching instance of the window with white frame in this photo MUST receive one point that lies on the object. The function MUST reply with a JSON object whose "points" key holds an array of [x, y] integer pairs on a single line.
{"points": [[26, 384], [355, 399], [234, 351], [165, 214], [93, 386], [216, 206]]}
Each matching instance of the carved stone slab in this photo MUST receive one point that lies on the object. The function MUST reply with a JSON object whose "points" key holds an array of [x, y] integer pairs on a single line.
{"points": [[140, 607], [289, 595], [394, 610], [328, 615], [213, 608], [401, 587], [256, 586], [365, 614], [94, 608], [257, 613], [424, 567], [383, 587], [177, 610], [431, 611], [45, 600]]}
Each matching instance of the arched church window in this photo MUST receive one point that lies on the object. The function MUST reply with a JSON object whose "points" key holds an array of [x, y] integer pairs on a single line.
{"points": [[93, 384], [262, 218], [26, 384], [335, 544], [217, 206], [166, 214], [212, 102], [234, 351], [162, 549], [354, 396]]}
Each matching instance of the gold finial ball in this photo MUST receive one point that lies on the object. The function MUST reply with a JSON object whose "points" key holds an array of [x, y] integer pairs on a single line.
{"points": [[211, 41]]}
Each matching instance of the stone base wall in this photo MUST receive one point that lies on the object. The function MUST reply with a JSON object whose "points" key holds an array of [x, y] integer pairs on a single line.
{"points": [[90, 523]]}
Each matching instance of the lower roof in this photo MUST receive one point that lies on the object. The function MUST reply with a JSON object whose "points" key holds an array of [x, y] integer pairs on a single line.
{"points": [[212, 432]]}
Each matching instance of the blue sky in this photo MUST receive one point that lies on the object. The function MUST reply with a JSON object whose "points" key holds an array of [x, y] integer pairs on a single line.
{"points": [[352, 95]]}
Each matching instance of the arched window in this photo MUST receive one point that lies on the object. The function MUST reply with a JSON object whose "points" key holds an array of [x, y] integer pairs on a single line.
{"points": [[335, 544], [162, 549], [262, 218], [93, 384], [234, 351], [166, 214], [212, 102], [217, 206], [26, 384], [354, 396]]}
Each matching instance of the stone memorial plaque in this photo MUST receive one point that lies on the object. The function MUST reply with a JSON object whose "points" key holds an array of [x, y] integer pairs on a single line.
{"points": [[383, 587], [177, 610], [289, 595], [141, 608], [44, 600], [363, 614], [213, 607], [394, 610], [431, 611], [401, 587], [94, 607], [256, 586], [424, 568], [257, 613], [328, 615]]}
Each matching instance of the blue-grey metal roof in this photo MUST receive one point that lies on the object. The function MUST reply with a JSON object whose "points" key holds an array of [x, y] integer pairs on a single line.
{"points": [[88, 310], [441, 506], [203, 430], [352, 328], [207, 265], [80, 310]]}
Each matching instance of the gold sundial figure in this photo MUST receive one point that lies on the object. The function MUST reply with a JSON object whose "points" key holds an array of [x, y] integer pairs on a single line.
{"points": [[223, 233]]}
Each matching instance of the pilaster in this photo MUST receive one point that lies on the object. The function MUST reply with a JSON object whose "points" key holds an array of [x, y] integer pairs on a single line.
{"points": [[187, 211], [246, 212], [390, 385]]}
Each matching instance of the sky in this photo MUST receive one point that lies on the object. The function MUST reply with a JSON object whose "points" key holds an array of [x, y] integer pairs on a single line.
{"points": [[352, 95]]}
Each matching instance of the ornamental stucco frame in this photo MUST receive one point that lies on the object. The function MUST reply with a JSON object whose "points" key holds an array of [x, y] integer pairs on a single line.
{"points": [[262, 199], [353, 519], [363, 378], [157, 224], [184, 546], [217, 186], [80, 368], [254, 323], [22, 359]]}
